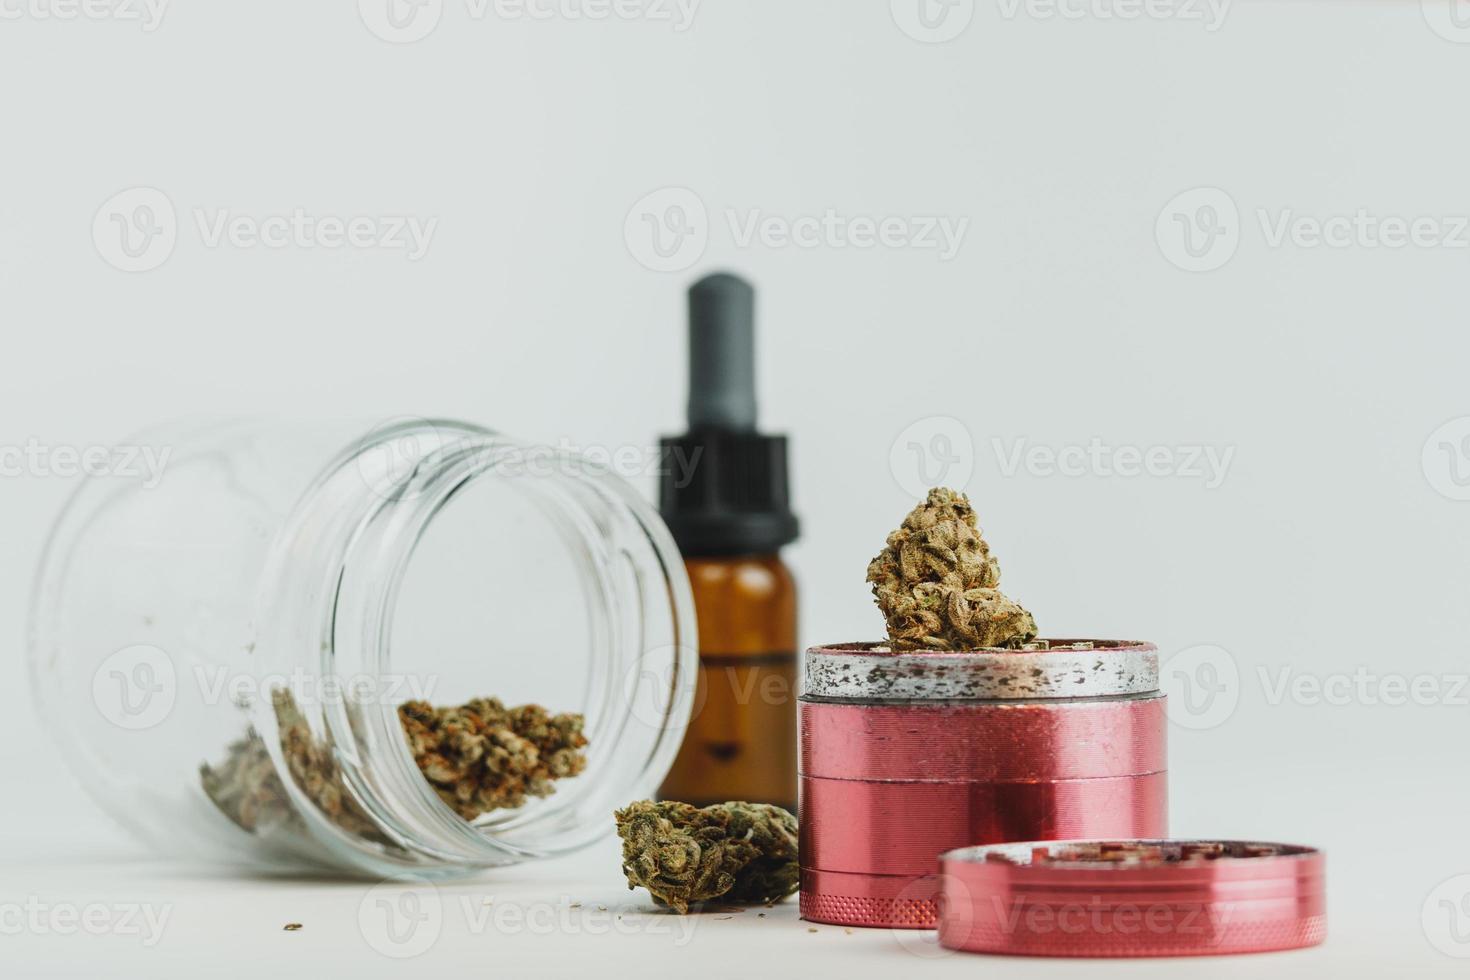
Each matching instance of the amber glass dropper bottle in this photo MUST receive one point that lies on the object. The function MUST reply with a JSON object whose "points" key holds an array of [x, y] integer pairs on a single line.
{"points": [[725, 494]]}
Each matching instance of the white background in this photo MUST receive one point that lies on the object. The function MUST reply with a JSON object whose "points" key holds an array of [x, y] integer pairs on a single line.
{"points": [[1332, 544]]}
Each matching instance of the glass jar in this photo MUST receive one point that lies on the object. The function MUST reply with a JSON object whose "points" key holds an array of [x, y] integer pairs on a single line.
{"points": [[272, 593]]}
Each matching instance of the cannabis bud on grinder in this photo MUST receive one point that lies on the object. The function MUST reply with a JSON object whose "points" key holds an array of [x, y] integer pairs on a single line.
{"points": [[963, 729]]}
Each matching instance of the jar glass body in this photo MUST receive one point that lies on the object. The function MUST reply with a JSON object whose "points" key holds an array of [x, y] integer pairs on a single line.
{"points": [[221, 648]]}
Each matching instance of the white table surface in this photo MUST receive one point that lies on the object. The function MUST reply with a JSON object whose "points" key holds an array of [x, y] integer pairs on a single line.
{"points": [[568, 918]]}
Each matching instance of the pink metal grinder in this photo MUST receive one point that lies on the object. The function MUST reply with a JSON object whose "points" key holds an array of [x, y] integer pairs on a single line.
{"points": [[1133, 898], [905, 756]]}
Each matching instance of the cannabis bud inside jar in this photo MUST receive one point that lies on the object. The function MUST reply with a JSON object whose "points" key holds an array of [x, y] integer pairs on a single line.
{"points": [[484, 756], [479, 757]]}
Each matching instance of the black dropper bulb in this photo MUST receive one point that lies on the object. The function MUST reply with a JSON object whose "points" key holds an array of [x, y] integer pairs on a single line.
{"points": [[722, 353], [724, 488]]}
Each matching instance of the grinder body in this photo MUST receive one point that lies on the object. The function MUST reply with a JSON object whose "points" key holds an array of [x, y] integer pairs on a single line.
{"points": [[906, 756]]}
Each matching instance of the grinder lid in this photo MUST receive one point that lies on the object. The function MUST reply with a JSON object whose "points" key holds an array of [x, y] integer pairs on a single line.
{"points": [[1045, 670], [1127, 898]]}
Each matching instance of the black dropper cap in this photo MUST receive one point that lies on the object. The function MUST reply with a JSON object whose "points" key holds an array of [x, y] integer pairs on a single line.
{"points": [[724, 488]]}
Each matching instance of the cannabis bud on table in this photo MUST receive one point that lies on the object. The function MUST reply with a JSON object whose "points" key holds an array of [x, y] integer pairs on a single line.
{"points": [[938, 586], [739, 852]]}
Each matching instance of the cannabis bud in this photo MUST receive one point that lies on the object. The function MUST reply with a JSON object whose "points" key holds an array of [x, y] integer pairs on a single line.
{"points": [[484, 756], [938, 586], [741, 852], [248, 789]]}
